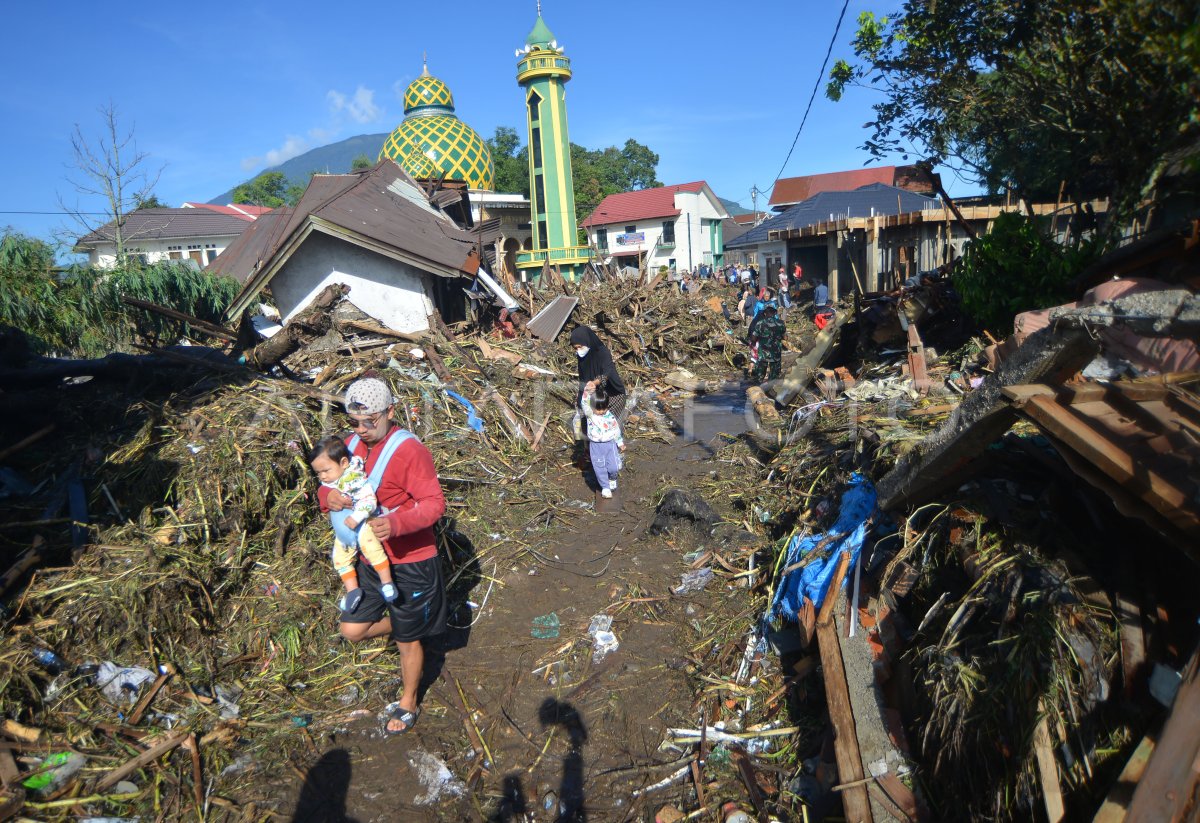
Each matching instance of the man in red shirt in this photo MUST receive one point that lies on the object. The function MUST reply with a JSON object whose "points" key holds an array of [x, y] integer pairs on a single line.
{"points": [[406, 485]]}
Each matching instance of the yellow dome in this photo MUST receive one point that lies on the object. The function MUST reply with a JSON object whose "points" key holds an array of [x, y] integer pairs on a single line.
{"points": [[432, 141]]}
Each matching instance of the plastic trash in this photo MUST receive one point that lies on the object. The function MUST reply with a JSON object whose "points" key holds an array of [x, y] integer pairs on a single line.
{"points": [[55, 771], [604, 642], [735, 815], [545, 627], [49, 661], [435, 778], [694, 581], [473, 418], [121, 685], [227, 699]]}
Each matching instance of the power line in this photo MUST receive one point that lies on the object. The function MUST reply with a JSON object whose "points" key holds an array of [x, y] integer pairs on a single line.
{"points": [[816, 85], [95, 213]]}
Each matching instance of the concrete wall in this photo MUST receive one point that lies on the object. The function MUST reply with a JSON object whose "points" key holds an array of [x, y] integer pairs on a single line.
{"points": [[394, 293], [206, 248]]}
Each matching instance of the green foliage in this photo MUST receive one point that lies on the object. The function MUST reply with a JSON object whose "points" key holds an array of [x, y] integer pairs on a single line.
{"points": [[511, 161], [150, 201], [1026, 97], [79, 311], [1016, 268], [270, 189], [361, 163]]}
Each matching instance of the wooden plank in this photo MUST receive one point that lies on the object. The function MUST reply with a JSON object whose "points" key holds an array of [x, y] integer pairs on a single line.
{"points": [[1154, 489], [1169, 784], [1116, 805], [1047, 768], [1133, 641], [856, 802], [1020, 395], [835, 588]]}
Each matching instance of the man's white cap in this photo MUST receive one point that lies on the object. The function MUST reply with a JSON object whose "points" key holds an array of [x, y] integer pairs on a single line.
{"points": [[370, 395]]}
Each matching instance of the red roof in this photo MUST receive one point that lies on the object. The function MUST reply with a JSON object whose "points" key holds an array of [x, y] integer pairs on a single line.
{"points": [[639, 205], [747, 219], [792, 190], [241, 210]]}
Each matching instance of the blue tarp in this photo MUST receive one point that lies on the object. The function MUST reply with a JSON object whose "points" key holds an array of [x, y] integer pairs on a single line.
{"points": [[473, 419], [847, 534]]}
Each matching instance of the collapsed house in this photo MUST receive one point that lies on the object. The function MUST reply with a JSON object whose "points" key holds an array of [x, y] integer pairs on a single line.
{"points": [[377, 232]]}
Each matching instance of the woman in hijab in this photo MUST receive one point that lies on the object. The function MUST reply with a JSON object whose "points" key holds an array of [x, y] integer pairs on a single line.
{"points": [[596, 363]]}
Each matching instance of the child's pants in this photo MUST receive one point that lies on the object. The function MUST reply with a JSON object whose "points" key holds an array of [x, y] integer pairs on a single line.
{"points": [[368, 544], [606, 461]]}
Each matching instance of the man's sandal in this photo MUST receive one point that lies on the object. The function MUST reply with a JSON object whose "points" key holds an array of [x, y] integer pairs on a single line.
{"points": [[408, 718]]}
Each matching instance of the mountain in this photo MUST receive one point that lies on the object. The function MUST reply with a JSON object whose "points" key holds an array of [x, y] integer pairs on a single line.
{"points": [[332, 159]]}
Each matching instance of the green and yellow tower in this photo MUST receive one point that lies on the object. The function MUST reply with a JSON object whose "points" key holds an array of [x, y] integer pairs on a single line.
{"points": [[543, 71]]}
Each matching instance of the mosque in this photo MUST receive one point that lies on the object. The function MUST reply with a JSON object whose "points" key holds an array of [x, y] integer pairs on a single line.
{"points": [[432, 143]]}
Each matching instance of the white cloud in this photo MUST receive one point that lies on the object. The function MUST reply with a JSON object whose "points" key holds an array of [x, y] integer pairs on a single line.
{"points": [[291, 147], [361, 106]]}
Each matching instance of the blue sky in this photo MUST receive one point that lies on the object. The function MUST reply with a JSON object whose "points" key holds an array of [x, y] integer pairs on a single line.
{"points": [[217, 91]]}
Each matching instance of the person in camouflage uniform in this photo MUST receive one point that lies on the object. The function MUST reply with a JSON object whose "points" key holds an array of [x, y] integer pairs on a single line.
{"points": [[769, 331]]}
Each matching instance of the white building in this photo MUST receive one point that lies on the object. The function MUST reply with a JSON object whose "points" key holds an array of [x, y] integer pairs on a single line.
{"points": [[152, 235], [673, 226]]}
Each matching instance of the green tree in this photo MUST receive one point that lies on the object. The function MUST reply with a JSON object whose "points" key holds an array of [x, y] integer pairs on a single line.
{"points": [[1030, 96], [361, 163], [269, 189], [510, 160], [150, 201]]}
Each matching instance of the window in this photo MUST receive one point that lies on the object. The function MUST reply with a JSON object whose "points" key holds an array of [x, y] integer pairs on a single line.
{"points": [[535, 107], [210, 254], [668, 233], [545, 240], [539, 191], [175, 255], [602, 239], [630, 229], [536, 140]]}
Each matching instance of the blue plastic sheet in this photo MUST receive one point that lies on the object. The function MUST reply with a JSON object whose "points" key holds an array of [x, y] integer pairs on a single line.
{"points": [[473, 419], [848, 534]]}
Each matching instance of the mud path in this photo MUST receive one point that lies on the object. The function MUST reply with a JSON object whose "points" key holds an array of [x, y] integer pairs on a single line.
{"points": [[565, 735]]}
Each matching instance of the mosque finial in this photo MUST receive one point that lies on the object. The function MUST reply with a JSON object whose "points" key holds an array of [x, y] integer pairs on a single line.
{"points": [[539, 5], [424, 64]]}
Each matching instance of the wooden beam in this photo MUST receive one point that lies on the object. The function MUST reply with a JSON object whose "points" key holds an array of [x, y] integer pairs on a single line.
{"points": [[1169, 785], [856, 802], [211, 329], [147, 757], [1116, 805], [1154, 489], [1047, 768]]}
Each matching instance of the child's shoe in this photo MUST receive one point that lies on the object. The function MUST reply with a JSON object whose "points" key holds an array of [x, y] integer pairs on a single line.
{"points": [[606, 493], [389, 592], [349, 601]]}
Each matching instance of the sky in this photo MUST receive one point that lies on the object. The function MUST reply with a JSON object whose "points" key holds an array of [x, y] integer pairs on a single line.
{"points": [[215, 92]]}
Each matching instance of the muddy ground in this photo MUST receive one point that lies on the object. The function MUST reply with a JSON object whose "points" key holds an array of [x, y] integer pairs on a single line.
{"points": [[565, 735]]}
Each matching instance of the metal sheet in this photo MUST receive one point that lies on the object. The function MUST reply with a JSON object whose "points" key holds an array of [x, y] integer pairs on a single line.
{"points": [[547, 323]]}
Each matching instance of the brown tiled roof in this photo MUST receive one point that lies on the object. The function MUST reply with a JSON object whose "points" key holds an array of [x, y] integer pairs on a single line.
{"points": [[382, 206], [167, 224], [791, 190]]}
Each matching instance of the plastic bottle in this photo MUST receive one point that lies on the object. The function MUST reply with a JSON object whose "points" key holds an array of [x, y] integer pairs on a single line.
{"points": [[49, 661], [735, 815], [55, 771]]}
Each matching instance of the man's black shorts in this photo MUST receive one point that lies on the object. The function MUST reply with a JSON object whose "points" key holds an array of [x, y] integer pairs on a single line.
{"points": [[419, 611]]}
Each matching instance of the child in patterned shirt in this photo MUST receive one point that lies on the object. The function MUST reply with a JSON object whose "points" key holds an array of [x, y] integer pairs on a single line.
{"points": [[605, 443], [335, 468]]}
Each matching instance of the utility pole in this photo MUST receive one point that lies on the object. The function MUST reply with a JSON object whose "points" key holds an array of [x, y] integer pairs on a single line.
{"points": [[754, 192]]}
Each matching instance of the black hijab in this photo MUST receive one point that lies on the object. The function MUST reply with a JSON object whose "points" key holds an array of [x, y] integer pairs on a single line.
{"points": [[597, 362]]}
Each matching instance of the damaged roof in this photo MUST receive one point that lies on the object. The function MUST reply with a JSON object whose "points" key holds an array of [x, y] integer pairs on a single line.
{"points": [[792, 190], [381, 209]]}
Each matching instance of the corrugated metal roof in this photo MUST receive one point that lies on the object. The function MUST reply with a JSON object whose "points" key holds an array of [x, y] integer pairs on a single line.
{"points": [[243, 210], [167, 224], [242, 258], [547, 323], [883, 200], [639, 205]]}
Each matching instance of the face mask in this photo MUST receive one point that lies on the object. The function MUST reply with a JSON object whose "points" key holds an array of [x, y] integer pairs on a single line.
{"points": [[582, 351]]}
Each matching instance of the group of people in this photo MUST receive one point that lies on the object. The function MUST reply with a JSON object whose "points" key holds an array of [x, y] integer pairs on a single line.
{"points": [[380, 489]]}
